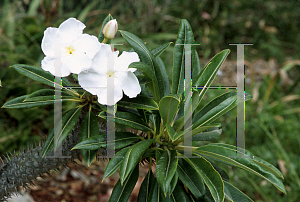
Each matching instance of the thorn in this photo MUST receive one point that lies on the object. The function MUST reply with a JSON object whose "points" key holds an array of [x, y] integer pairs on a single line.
{"points": [[8, 157], [2, 160]]}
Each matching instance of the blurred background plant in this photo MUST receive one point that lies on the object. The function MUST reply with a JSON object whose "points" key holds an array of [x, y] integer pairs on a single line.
{"points": [[272, 68]]}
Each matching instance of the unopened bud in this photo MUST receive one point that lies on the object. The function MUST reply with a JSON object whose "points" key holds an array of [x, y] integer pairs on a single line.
{"points": [[110, 29]]}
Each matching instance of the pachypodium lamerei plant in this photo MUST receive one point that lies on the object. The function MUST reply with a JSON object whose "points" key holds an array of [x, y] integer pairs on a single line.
{"points": [[151, 105]]}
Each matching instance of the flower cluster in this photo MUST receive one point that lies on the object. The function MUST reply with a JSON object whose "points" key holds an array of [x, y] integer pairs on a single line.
{"points": [[67, 50]]}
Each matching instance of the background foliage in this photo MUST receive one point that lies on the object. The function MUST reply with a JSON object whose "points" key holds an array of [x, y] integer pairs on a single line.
{"points": [[272, 119]]}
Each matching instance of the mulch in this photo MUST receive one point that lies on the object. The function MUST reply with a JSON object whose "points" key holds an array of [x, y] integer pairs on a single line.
{"points": [[80, 183]]}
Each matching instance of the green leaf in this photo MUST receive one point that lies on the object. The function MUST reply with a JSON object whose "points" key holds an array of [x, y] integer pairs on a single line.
{"points": [[172, 134], [19, 102], [235, 194], [208, 135], [214, 109], [185, 36], [68, 122], [89, 128], [191, 178], [173, 183], [168, 107], [165, 77], [122, 191], [196, 68], [179, 194], [48, 145], [212, 126], [146, 186], [101, 35], [158, 154], [165, 169], [146, 56], [49, 94], [42, 76], [114, 163], [154, 195], [132, 157], [224, 153], [149, 72], [209, 73], [210, 176], [139, 102], [156, 52], [142, 79], [122, 139], [128, 119], [223, 174]]}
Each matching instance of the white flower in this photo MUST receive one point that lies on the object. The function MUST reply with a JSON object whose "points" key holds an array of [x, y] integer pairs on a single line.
{"points": [[94, 80], [110, 29], [70, 47]]}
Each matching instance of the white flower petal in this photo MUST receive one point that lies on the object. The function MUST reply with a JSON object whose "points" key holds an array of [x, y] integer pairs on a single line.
{"points": [[102, 94], [100, 60], [129, 83], [76, 62], [51, 37], [48, 65], [90, 81], [71, 29], [125, 59], [87, 44]]}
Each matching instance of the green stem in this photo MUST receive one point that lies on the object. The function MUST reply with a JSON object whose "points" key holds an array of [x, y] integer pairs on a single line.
{"points": [[182, 147], [104, 40], [178, 141], [158, 141]]}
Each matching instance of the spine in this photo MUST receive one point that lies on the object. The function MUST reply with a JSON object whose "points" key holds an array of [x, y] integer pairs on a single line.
{"points": [[23, 169]]}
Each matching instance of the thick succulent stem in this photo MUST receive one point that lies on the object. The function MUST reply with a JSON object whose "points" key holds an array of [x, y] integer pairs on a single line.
{"points": [[24, 168]]}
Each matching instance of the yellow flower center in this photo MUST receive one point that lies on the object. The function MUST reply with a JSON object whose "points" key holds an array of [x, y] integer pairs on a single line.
{"points": [[110, 73], [70, 50]]}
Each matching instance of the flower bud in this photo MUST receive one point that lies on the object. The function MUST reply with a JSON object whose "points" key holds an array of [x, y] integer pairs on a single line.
{"points": [[110, 29]]}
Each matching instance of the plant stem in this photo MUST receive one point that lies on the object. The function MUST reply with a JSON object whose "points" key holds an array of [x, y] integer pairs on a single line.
{"points": [[104, 40]]}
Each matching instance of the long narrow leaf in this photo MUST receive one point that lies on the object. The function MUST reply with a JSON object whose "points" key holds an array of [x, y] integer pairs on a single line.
{"points": [[209, 72], [160, 49], [145, 188], [128, 119], [168, 107], [115, 163], [89, 128], [122, 191], [224, 154], [166, 168], [210, 176], [235, 194], [122, 139], [132, 158], [42, 76], [185, 36], [191, 178], [149, 72], [145, 56], [139, 102]]}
